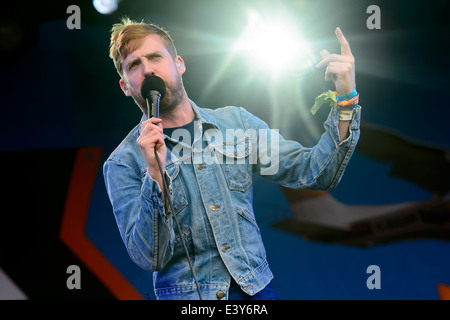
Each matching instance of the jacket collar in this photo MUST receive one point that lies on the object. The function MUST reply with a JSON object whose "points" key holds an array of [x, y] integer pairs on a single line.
{"points": [[203, 117]]}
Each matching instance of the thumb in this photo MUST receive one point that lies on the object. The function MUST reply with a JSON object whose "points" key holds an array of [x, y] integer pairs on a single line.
{"points": [[324, 53]]}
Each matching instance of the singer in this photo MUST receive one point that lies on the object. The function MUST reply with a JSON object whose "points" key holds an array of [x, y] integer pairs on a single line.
{"points": [[212, 200]]}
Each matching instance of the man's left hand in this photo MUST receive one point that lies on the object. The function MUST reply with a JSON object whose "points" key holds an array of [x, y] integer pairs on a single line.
{"points": [[340, 67]]}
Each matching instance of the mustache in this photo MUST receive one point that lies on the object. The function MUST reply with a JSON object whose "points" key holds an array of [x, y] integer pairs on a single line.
{"points": [[173, 96]]}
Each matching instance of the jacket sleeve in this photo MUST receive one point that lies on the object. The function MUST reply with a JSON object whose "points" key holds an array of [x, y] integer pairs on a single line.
{"points": [[145, 227], [295, 166]]}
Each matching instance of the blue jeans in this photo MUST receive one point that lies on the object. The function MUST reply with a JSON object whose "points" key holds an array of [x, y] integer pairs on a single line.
{"points": [[268, 293]]}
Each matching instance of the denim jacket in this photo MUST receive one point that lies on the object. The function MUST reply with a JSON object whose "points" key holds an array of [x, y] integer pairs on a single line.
{"points": [[210, 186]]}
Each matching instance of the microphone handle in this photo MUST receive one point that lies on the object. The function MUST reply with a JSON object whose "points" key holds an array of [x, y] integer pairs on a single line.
{"points": [[155, 97]]}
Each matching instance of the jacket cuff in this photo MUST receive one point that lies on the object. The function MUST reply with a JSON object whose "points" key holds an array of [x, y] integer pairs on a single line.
{"points": [[332, 123]]}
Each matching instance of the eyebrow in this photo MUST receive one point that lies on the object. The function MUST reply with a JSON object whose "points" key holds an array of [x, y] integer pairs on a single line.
{"points": [[148, 56]]}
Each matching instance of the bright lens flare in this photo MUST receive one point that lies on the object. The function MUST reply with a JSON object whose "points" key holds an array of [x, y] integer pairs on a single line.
{"points": [[274, 46], [106, 6]]}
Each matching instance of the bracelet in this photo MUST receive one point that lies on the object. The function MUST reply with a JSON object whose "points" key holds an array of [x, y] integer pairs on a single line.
{"points": [[350, 100], [347, 100], [353, 102], [348, 96]]}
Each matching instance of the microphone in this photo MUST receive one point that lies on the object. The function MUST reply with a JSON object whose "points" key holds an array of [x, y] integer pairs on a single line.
{"points": [[153, 89]]}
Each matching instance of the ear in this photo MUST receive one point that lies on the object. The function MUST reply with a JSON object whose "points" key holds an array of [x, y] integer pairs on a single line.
{"points": [[124, 87], [180, 65]]}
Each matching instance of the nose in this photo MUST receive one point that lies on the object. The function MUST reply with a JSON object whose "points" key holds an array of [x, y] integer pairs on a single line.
{"points": [[148, 68]]}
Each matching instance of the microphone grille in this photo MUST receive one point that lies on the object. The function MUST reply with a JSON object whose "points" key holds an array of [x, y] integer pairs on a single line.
{"points": [[151, 83]]}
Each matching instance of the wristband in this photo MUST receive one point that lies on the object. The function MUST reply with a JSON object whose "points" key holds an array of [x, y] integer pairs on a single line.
{"points": [[335, 100], [352, 102], [345, 115], [344, 97]]}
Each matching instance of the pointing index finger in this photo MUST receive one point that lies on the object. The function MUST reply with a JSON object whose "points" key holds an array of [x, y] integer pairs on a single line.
{"points": [[345, 47]]}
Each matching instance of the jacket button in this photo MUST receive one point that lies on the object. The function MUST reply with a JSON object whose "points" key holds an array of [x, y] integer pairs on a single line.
{"points": [[220, 294], [213, 207], [225, 248], [200, 167]]}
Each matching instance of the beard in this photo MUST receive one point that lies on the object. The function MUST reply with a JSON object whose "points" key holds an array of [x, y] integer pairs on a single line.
{"points": [[172, 98]]}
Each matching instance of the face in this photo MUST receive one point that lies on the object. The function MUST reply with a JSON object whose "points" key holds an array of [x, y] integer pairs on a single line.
{"points": [[152, 58]]}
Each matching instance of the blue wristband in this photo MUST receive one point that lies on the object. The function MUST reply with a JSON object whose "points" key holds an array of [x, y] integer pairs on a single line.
{"points": [[352, 94]]}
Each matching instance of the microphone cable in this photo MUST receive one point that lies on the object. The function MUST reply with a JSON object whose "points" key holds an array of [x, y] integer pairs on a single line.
{"points": [[169, 200]]}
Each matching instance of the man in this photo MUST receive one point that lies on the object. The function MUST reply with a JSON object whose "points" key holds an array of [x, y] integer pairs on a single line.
{"points": [[209, 173]]}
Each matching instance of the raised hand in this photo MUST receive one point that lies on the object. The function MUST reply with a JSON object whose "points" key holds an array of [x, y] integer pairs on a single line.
{"points": [[340, 67]]}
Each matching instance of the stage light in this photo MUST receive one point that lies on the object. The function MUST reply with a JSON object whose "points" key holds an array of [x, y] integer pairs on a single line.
{"points": [[274, 45], [106, 6]]}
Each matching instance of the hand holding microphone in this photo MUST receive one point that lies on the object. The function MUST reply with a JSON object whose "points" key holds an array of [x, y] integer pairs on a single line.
{"points": [[151, 140]]}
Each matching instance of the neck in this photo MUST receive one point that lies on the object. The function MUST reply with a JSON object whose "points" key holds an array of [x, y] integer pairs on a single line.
{"points": [[181, 115]]}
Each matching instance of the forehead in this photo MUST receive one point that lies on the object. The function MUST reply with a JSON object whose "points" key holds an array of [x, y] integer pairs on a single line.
{"points": [[140, 47]]}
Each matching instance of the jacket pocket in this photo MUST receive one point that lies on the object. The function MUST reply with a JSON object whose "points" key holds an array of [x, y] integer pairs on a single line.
{"points": [[235, 162], [248, 216], [250, 236]]}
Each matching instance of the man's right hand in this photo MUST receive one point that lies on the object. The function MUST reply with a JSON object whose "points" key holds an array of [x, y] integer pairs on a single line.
{"points": [[152, 137]]}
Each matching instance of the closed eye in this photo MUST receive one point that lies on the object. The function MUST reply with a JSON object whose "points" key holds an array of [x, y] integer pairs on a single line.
{"points": [[153, 56], [133, 64]]}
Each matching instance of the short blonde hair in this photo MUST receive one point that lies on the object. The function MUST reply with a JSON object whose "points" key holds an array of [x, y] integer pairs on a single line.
{"points": [[126, 37]]}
